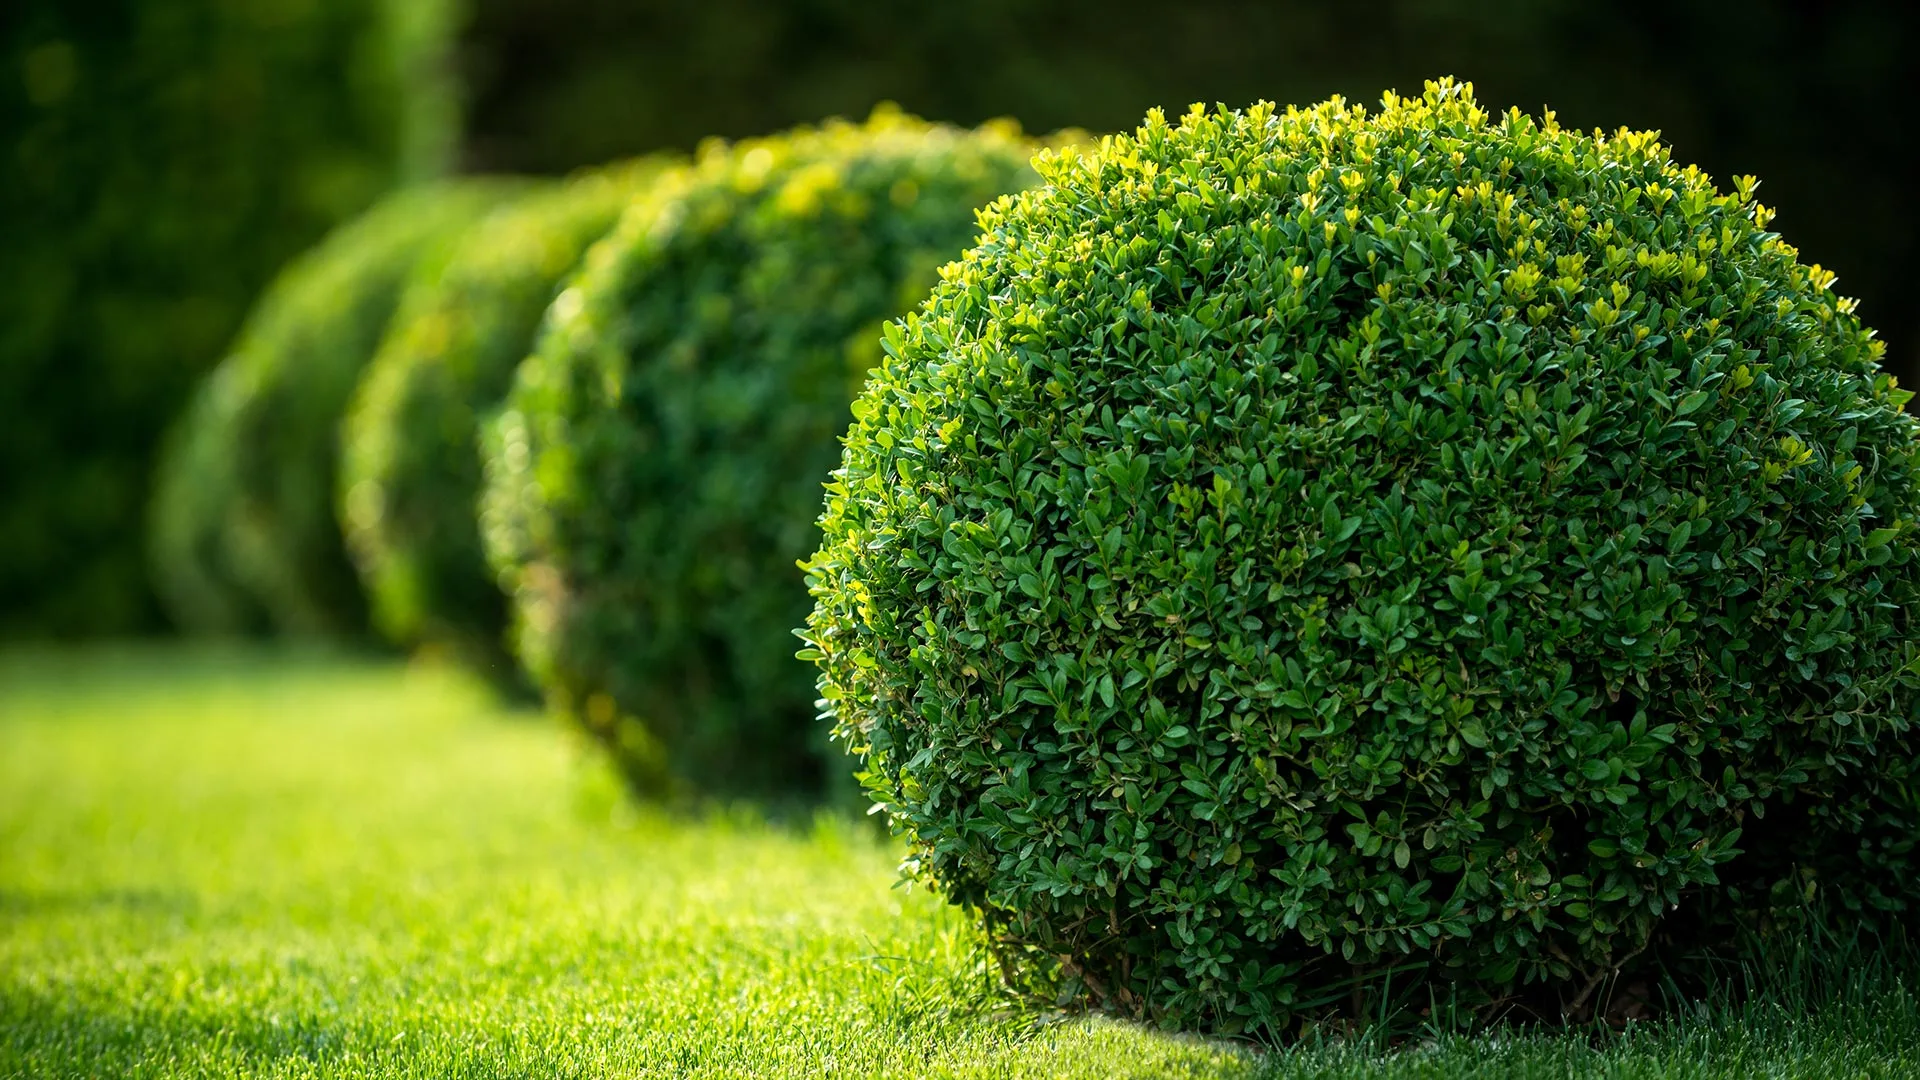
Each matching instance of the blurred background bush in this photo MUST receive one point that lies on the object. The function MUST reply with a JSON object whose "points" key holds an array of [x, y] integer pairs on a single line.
{"points": [[654, 475], [409, 471], [167, 156], [243, 507]]}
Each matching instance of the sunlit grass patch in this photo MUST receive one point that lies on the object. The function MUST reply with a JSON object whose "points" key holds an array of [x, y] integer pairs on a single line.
{"points": [[260, 865]]}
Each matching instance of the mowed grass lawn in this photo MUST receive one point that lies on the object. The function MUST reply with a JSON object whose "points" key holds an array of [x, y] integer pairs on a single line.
{"points": [[234, 864]]}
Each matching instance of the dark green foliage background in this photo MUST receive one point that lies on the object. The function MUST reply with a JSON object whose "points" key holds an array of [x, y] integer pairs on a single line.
{"points": [[163, 159], [1812, 97], [655, 474], [410, 455], [237, 132], [1291, 549], [243, 524]]}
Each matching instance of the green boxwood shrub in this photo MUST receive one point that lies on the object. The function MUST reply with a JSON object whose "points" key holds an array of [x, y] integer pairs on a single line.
{"points": [[1298, 547], [654, 476], [410, 465], [243, 520]]}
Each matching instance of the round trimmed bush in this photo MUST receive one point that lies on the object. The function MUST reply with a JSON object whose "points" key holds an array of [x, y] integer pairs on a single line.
{"points": [[1297, 547], [654, 477], [410, 465], [243, 506]]}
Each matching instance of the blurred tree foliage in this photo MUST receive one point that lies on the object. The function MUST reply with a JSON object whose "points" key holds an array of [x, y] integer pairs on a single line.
{"points": [[163, 158], [1812, 97]]}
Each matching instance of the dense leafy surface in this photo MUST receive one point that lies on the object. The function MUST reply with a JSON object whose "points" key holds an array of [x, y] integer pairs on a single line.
{"points": [[1303, 547], [655, 474], [243, 523], [227, 865], [163, 159], [410, 455]]}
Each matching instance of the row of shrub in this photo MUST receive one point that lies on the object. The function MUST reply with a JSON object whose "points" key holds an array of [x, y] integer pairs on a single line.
{"points": [[1286, 552], [654, 472]]}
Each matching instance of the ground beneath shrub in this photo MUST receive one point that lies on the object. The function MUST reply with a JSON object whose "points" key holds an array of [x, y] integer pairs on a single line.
{"points": [[242, 864]]}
